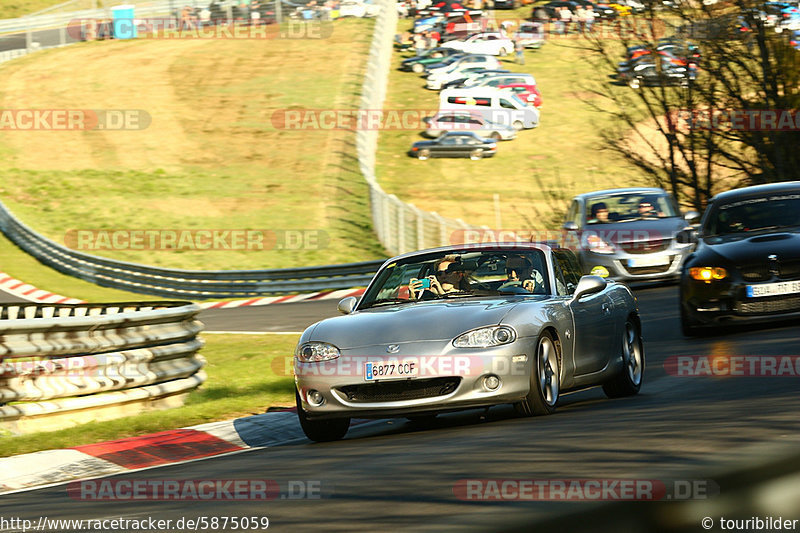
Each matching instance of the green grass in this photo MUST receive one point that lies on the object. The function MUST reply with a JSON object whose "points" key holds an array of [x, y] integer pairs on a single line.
{"points": [[535, 174], [10, 9], [246, 375], [211, 158]]}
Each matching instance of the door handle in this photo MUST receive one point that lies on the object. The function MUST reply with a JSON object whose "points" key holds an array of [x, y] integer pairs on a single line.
{"points": [[606, 308]]}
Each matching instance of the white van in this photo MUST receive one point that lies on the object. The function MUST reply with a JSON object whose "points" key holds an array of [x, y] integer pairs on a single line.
{"points": [[496, 105]]}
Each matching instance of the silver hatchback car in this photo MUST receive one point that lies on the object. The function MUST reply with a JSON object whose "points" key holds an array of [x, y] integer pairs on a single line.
{"points": [[629, 234]]}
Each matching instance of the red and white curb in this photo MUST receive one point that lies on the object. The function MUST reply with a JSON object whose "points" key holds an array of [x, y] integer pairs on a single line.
{"points": [[314, 296], [52, 467], [28, 292], [55, 467]]}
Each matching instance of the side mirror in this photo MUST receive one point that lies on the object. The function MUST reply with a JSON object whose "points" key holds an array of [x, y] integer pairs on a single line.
{"points": [[692, 217], [686, 236], [570, 225], [347, 305], [589, 285]]}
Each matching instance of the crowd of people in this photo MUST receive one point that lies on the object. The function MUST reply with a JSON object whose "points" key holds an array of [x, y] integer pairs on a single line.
{"points": [[563, 20]]}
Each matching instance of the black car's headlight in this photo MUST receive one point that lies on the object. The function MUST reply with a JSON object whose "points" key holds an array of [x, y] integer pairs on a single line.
{"points": [[315, 352], [486, 337], [708, 274]]}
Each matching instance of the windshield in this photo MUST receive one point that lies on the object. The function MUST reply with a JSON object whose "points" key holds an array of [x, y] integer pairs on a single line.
{"points": [[754, 214], [442, 276], [626, 207]]}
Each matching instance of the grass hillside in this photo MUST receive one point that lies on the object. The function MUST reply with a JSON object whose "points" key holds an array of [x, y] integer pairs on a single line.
{"points": [[210, 159]]}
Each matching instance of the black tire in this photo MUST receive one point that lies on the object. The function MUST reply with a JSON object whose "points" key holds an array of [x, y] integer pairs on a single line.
{"points": [[629, 380], [423, 155], [634, 83], [688, 326], [419, 68], [518, 125], [495, 135], [545, 379], [321, 430], [476, 155]]}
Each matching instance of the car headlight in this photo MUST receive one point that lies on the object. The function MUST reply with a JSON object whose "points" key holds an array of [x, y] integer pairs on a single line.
{"points": [[486, 337], [314, 352], [708, 274], [596, 244]]}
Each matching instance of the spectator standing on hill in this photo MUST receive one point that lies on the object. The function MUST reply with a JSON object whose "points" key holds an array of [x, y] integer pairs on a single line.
{"points": [[590, 15], [555, 20], [580, 18], [566, 18], [419, 43], [519, 48]]}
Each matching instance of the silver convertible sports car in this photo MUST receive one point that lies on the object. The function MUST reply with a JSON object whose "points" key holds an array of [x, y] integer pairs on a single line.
{"points": [[468, 326]]}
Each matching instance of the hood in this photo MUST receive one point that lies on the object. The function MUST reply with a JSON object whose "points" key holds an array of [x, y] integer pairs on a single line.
{"points": [[423, 321], [744, 249], [638, 230]]}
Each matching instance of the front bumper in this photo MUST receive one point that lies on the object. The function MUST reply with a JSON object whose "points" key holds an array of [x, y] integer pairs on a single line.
{"points": [[620, 268], [450, 378], [723, 302]]}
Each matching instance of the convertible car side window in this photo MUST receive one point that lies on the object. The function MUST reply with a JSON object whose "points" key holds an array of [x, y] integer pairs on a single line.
{"points": [[569, 268]]}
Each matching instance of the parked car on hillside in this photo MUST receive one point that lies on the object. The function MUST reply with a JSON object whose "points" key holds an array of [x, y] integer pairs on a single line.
{"points": [[445, 121], [527, 93], [531, 34], [455, 144], [429, 57], [490, 43]]}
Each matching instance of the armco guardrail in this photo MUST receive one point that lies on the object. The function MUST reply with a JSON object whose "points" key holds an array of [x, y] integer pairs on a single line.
{"points": [[57, 359], [401, 227], [189, 284]]}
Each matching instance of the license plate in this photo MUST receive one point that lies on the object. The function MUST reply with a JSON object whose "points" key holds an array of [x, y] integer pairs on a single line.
{"points": [[646, 261], [773, 289], [390, 370]]}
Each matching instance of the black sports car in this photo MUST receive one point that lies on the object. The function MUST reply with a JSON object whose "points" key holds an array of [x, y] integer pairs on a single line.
{"points": [[455, 144], [747, 262]]}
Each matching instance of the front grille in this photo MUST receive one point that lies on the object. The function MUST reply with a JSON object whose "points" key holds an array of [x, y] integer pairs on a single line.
{"points": [[775, 304], [788, 270], [645, 247], [398, 391], [643, 271]]}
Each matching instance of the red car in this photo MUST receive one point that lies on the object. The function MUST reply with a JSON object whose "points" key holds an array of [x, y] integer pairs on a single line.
{"points": [[527, 93]]}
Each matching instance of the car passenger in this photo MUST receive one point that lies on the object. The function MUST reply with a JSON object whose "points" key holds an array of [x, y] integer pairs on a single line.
{"points": [[449, 278], [521, 273], [599, 214], [646, 210]]}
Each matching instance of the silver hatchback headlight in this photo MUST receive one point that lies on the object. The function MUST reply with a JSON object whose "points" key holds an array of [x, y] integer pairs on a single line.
{"points": [[486, 337], [315, 352]]}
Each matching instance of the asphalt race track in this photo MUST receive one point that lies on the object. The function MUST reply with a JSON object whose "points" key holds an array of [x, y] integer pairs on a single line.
{"points": [[392, 474]]}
